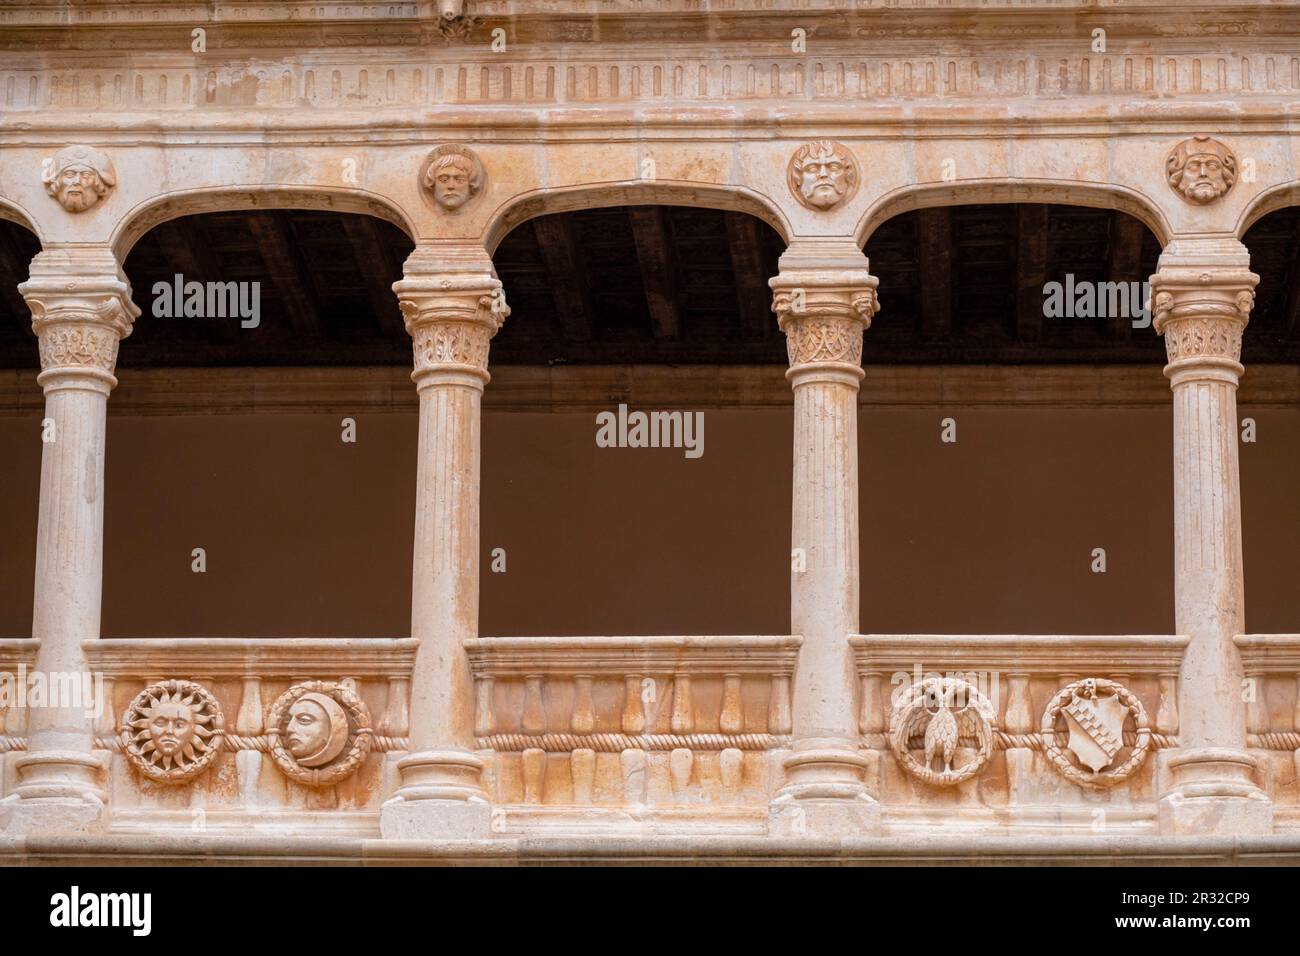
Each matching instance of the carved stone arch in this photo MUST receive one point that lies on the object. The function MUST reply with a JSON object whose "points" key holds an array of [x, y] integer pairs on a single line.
{"points": [[541, 202], [1059, 192], [1271, 200], [188, 202], [12, 212]]}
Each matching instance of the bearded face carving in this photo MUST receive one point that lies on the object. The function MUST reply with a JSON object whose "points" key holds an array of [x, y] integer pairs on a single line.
{"points": [[454, 175], [1201, 169], [78, 177], [822, 174]]}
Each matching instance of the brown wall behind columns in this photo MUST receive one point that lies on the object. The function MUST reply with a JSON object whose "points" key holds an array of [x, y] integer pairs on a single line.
{"points": [[994, 533], [636, 540], [306, 535]]}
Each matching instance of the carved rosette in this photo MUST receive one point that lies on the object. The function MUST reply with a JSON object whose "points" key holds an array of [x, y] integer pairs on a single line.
{"points": [[942, 730], [1202, 315], [171, 731], [320, 732], [451, 320], [823, 316], [1101, 721]]}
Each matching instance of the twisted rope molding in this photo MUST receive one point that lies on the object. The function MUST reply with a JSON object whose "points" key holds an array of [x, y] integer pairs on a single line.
{"points": [[616, 743], [611, 743]]}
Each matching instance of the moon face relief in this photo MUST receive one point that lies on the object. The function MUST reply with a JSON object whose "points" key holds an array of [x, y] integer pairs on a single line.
{"points": [[320, 732], [171, 731]]}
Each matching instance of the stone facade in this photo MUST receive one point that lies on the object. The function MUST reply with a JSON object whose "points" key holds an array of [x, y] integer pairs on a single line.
{"points": [[824, 120]]}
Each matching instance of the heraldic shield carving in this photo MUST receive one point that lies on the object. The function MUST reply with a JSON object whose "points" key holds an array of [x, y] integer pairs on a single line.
{"points": [[942, 716], [1096, 717]]}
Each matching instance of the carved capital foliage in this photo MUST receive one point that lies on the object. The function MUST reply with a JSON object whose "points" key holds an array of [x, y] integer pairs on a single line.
{"points": [[78, 345], [1202, 313], [78, 314], [824, 315], [451, 343], [452, 318]]}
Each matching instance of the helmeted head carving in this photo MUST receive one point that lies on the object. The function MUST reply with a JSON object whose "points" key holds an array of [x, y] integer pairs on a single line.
{"points": [[1201, 169], [317, 730], [78, 177], [454, 175], [822, 174]]}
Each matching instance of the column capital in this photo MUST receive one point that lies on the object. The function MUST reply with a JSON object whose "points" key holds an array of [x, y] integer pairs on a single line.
{"points": [[824, 298], [453, 304], [81, 308], [1202, 311]]}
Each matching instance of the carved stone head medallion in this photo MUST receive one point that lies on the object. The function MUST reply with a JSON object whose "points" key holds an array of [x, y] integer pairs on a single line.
{"points": [[1201, 169], [320, 732], [78, 177], [171, 731], [453, 175], [822, 174]]}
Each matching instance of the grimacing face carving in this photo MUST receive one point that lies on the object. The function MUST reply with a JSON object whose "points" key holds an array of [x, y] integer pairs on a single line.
{"points": [[78, 177], [1201, 169], [822, 174], [455, 177]]}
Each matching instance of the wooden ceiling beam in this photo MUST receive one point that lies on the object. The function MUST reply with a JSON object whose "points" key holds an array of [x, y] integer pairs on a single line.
{"points": [[368, 246], [658, 269], [1031, 270], [567, 275], [295, 287], [935, 261], [753, 295], [1126, 235]]}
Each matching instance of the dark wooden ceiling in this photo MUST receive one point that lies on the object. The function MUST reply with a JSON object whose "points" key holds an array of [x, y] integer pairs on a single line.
{"points": [[661, 284]]}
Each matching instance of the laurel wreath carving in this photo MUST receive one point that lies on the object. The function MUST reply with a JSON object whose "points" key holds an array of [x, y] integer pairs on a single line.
{"points": [[1059, 755], [974, 721], [360, 734]]}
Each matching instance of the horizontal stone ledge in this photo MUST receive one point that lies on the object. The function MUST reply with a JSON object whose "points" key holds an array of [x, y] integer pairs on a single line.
{"points": [[622, 656], [1032, 654], [212, 391], [614, 848], [217, 657], [15, 651], [1269, 653]]}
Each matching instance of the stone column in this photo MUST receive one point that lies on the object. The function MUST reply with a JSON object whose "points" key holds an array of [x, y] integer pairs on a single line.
{"points": [[81, 308], [453, 305], [1201, 301], [824, 298]]}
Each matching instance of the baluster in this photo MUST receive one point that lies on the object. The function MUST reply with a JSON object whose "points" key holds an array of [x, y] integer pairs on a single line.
{"points": [[582, 767], [395, 722], [534, 718], [485, 718], [871, 711], [778, 706], [731, 719], [1167, 709], [584, 715], [633, 709], [683, 720], [534, 762]]}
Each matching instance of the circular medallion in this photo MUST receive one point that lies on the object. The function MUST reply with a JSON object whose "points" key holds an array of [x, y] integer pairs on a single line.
{"points": [[933, 717], [171, 731], [320, 732], [1095, 713]]}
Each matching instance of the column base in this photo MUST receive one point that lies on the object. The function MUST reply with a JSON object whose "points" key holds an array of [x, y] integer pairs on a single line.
{"points": [[824, 797], [440, 798], [1213, 794], [57, 792]]}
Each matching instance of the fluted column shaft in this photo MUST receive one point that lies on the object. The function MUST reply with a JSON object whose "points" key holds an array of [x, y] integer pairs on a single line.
{"points": [[81, 309], [824, 302], [1202, 309], [453, 306]]}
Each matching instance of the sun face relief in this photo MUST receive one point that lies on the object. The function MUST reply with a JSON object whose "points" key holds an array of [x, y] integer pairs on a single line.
{"points": [[822, 174], [78, 177], [172, 731], [1201, 169]]}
